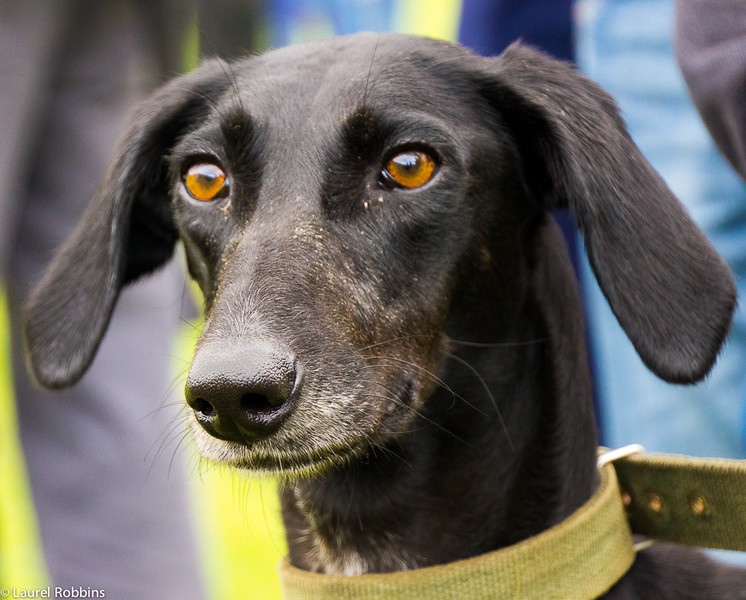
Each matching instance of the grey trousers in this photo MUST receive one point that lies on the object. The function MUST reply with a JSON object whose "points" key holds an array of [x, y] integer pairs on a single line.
{"points": [[113, 510]]}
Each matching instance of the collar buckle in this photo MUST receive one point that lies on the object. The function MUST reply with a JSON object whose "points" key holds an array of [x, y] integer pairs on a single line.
{"points": [[609, 456]]}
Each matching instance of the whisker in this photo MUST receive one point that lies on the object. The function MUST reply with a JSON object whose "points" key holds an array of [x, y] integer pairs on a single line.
{"points": [[417, 413], [165, 437], [270, 533], [370, 69], [164, 406], [430, 376], [179, 378], [373, 445], [499, 344], [391, 340], [489, 394], [180, 446], [189, 323]]}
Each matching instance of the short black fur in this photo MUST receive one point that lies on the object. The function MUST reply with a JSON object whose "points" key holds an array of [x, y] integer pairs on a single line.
{"points": [[411, 362]]}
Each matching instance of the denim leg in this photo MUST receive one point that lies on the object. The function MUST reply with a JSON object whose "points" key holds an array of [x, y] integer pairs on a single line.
{"points": [[627, 46]]}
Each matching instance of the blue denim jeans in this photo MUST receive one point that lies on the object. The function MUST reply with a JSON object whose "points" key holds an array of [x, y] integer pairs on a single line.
{"points": [[627, 46]]}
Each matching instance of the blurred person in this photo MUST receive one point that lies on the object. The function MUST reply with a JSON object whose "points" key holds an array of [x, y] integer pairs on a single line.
{"points": [[627, 46], [711, 50], [490, 26], [112, 515], [232, 29]]}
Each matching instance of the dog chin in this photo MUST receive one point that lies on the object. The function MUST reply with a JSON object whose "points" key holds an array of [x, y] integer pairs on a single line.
{"points": [[264, 460]]}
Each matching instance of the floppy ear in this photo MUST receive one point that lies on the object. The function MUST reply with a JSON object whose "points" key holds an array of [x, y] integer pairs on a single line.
{"points": [[670, 290], [124, 233]]}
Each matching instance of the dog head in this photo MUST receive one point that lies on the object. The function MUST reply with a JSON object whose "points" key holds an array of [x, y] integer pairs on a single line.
{"points": [[343, 204]]}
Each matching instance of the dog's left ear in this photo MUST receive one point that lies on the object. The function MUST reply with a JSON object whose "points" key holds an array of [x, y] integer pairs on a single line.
{"points": [[670, 290], [125, 232]]}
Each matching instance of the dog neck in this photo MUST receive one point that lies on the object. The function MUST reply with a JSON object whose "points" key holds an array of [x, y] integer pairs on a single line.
{"points": [[477, 472], [470, 478], [449, 491]]}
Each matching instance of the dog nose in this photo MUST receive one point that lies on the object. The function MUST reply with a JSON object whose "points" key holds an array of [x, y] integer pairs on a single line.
{"points": [[241, 395]]}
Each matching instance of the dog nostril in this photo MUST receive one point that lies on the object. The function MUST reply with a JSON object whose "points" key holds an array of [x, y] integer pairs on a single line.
{"points": [[258, 403], [203, 407]]}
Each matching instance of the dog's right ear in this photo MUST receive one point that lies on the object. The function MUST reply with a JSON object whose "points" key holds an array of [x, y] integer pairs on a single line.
{"points": [[124, 233], [670, 290]]}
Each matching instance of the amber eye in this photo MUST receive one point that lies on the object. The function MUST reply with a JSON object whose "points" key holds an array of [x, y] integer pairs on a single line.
{"points": [[410, 169], [205, 181]]}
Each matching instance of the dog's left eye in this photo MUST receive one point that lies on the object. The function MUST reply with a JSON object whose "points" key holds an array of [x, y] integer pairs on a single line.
{"points": [[206, 181], [410, 169]]}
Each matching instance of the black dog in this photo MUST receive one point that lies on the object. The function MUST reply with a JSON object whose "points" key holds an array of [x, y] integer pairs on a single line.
{"points": [[392, 322]]}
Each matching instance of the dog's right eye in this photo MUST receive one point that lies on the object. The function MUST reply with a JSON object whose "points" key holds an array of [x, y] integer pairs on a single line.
{"points": [[205, 182], [409, 169]]}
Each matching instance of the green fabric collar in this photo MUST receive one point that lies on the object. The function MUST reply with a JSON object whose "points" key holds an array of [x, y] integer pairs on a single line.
{"points": [[685, 500], [691, 501], [578, 559]]}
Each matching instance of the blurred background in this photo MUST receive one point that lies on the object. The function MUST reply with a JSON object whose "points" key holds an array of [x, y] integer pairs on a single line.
{"points": [[69, 515]]}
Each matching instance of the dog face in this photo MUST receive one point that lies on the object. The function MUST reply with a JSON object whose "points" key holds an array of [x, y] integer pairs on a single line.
{"points": [[344, 272], [346, 207]]}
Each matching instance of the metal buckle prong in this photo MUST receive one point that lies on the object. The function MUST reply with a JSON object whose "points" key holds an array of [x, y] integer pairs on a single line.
{"points": [[624, 451]]}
